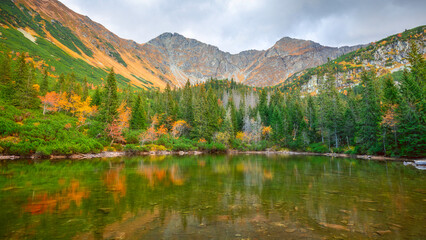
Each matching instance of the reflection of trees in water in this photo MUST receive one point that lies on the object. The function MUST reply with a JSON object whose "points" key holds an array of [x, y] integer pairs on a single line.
{"points": [[45, 202], [116, 181], [328, 195], [161, 175]]}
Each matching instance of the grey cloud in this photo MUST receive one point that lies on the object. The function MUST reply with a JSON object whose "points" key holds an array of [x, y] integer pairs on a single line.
{"points": [[237, 25]]}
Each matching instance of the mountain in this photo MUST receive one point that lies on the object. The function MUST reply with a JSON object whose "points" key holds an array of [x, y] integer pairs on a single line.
{"points": [[386, 56], [56, 36], [185, 58]]}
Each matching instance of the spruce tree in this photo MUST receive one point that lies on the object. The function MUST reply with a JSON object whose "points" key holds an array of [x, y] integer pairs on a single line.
{"points": [[138, 118], [44, 86], [60, 83], [109, 103], [25, 95], [97, 98], [200, 117], [370, 114], [186, 106], [85, 92], [6, 91], [5, 70]]}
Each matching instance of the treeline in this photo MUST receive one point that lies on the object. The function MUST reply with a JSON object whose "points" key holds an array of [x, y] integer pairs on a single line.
{"points": [[44, 115]]}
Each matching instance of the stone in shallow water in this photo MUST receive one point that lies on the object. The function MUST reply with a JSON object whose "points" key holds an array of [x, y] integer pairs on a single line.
{"points": [[383, 232], [290, 230], [278, 224], [334, 226], [104, 210]]}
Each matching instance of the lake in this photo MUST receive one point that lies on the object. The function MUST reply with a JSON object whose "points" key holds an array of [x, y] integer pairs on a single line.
{"points": [[212, 197]]}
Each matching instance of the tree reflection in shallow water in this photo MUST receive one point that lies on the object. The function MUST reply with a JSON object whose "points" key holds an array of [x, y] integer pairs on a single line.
{"points": [[198, 197]]}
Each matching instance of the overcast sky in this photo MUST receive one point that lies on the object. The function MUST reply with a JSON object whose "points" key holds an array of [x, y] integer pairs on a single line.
{"points": [[237, 25]]}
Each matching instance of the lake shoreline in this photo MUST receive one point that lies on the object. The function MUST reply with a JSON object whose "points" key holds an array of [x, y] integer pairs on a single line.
{"points": [[110, 154]]}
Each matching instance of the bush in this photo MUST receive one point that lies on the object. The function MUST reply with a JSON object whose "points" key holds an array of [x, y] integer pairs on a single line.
{"points": [[350, 150], [154, 147], [132, 136], [318, 148], [134, 148], [240, 145], [212, 147]]}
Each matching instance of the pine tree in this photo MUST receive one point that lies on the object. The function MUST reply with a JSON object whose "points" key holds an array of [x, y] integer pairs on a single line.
{"points": [[212, 113], [170, 106], [6, 91], [263, 107], [108, 109], [186, 107], [200, 117], [227, 126], [97, 98], [311, 113], [370, 114], [138, 118], [44, 87], [5, 70], [25, 95], [233, 113], [59, 87], [411, 117], [85, 92], [276, 123], [240, 114]]}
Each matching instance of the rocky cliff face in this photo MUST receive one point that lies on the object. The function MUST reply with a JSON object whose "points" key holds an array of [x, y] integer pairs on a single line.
{"points": [[385, 57], [185, 58]]}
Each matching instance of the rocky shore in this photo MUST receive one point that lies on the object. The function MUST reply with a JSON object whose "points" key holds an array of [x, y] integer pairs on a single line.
{"points": [[109, 154]]}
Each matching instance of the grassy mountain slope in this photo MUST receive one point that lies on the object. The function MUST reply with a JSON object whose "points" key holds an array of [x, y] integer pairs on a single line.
{"points": [[56, 36]]}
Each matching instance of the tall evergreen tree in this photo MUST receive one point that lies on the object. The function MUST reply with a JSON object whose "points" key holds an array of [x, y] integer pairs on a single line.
{"points": [[109, 104], [59, 87], [25, 95], [85, 92], [370, 113], [186, 107], [97, 98], [44, 86], [138, 118], [411, 114], [5, 70], [311, 114], [200, 117]]}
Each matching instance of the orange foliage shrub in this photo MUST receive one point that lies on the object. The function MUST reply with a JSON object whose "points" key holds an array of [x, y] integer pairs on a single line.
{"points": [[179, 127]]}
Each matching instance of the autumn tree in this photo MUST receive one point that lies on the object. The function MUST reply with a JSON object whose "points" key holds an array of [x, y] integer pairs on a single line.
{"points": [[179, 128], [50, 102], [116, 128]]}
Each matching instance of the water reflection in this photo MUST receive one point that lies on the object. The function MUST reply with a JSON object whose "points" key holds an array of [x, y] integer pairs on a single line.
{"points": [[44, 202], [219, 197]]}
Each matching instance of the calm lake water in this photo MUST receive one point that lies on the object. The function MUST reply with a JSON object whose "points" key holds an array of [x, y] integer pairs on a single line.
{"points": [[212, 197]]}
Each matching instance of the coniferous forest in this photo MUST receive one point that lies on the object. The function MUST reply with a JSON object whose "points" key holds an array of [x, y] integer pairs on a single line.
{"points": [[43, 115]]}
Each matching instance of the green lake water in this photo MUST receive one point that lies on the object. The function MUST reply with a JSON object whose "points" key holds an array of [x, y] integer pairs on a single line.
{"points": [[212, 197]]}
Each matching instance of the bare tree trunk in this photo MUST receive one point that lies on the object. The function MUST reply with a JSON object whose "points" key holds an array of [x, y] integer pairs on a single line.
{"points": [[384, 140]]}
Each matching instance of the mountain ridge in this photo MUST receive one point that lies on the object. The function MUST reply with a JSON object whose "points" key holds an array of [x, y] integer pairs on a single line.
{"points": [[169, 58]]}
